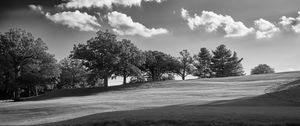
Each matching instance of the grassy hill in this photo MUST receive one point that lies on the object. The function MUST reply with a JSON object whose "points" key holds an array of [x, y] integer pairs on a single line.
{"points": [[257, 99]]}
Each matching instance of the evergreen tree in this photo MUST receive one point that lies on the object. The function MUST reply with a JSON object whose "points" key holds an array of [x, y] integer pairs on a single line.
{"points": [[203, 64], [225, 64], [234, 66]]}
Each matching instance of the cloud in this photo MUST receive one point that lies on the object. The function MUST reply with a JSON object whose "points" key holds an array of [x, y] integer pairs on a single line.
{"points": [[76, 19], [212, 22], [37, 8], [291, 23], [124, 25], [265, 29], [104, 3]]}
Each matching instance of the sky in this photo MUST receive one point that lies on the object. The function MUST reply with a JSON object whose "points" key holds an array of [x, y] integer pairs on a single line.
{"points": [[260, 31]]}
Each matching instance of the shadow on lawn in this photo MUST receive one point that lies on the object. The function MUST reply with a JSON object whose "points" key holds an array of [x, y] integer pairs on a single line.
{"points": [[76, 92], [278, 108]]}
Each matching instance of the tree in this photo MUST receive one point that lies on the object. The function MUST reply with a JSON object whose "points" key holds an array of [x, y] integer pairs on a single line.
{"points": [[6, 68], [19, 49], [225, 64], [234, 66], [203, 64], [44, 71], [131, 58], [185, 64], [73, 73], [262, 69], [157, 64], [100, 55]]}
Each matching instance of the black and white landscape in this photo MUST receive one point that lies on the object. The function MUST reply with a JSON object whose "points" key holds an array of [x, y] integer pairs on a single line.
{"points": [[150, 62]]}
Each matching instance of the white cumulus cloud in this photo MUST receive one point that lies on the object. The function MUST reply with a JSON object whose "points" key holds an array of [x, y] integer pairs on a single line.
{"points": [[76, 19], [291, 23], [265, 29], [104, 3], [212, 22], [124, 25], [37, 8]]}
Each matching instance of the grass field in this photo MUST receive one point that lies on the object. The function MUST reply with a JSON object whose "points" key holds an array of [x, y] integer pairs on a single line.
{"points": [[271, 99]]}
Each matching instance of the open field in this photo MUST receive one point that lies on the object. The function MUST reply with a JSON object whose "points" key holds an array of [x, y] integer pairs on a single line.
{"points": [[259, 99]]}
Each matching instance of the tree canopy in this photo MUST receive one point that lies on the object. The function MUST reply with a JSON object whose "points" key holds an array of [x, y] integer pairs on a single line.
{"points": [[99, 54], [185, 64], [225, 64], [73, 73], [157, 64], [131, 59], [26, 64], [24, 59], [262, 69], [203, 64]]}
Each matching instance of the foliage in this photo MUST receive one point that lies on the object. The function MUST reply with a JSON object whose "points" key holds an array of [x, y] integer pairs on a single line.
{"points": [[24, 59], [203, 64], [45, 71], [73, 73], [225, 64], [262, 69], [185, 64], [100, 55], [131, 58], [25, 64], [157, 64]]}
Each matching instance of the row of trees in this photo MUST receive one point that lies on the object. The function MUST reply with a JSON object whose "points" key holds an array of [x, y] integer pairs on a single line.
{"points": [[221, 63], [25, 64], [106, 57]]}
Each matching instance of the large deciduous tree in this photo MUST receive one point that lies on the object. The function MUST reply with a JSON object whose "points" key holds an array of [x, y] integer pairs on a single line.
{"points": [[185, 64], [157, 64], [20, 53], [225, 64], [203, 64], [100, 54], [73, 73], [131, 59], [43, 71]]}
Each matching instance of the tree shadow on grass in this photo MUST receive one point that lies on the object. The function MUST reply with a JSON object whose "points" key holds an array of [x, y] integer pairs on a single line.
{"points": [[77, 92]]}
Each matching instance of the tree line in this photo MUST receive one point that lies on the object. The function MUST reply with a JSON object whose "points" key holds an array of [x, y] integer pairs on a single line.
{"points": [[27, 68]]}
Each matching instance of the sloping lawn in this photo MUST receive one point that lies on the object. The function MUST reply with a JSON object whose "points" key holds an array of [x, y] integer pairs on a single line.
{"points": [[259, 99]]}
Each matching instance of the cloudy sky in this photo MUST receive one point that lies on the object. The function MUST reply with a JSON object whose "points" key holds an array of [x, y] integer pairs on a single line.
{"points": [[260, 31]]}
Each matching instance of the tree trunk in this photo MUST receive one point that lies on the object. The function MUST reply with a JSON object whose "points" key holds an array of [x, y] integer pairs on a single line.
{"points": [[16, 83], [183, 75], [106, 82], [124, 77], [36, 91], [153, 75]]}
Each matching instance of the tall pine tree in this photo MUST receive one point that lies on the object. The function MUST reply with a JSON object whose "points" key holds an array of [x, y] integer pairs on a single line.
{"points": [[225, 64], [203, 64]]}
